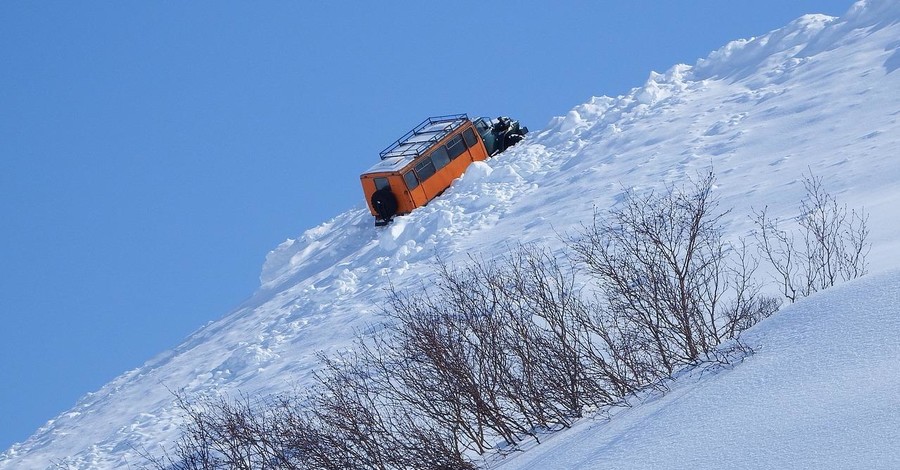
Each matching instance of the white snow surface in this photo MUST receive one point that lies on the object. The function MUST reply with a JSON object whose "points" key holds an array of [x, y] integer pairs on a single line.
{"points": [[820, 95], [819, 392]]}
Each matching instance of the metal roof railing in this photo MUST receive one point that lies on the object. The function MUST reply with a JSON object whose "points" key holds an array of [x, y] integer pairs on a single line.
{"points": [[423, 136]]}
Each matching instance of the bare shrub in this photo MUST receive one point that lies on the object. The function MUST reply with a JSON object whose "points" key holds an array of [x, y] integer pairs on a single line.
{"points": [[342, 422], [672, 285], [444, 360], [360, 426], [221, 433], [828, 247], [551, 334], [497, 349]]}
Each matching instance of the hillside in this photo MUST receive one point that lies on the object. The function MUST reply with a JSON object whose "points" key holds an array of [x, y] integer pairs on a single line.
{"points": [[820, 95], [819, 392]]}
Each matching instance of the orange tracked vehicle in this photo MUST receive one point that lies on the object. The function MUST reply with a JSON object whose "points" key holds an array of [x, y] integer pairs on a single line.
{"points": [[422, 163]]}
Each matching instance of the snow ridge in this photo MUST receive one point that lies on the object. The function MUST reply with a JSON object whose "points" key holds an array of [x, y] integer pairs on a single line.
{"points": [[820, 94]]}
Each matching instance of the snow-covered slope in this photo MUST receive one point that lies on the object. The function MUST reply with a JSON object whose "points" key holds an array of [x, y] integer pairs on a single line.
{"points": [[820, 95], [820, 392]]}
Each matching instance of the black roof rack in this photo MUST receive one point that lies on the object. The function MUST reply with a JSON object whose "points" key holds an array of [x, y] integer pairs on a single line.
{"points": [[423, 136]]}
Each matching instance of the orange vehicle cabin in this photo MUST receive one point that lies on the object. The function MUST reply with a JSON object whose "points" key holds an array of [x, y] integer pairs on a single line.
{"points": [[421, 165]]}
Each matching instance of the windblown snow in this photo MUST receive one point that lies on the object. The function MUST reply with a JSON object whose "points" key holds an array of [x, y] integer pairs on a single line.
{"points": [[820, 96]]}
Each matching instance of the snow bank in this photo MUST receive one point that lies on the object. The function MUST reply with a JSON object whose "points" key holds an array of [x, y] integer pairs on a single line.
{"points": [[819, 392]]}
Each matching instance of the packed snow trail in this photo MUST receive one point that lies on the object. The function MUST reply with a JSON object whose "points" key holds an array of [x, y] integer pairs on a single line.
{"points": [[820, 95]]}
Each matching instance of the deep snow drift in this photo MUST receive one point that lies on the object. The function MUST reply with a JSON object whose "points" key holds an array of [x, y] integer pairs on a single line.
{"points": [[820, 95]]}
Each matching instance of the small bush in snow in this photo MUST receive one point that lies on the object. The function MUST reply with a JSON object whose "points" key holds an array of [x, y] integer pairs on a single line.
{"points": [[829, 245], [495, 350], [674, 289]]}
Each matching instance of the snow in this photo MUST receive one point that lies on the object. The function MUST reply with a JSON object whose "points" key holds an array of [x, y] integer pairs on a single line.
{"points": [[820, 96], [819, 392], [392, 163]]}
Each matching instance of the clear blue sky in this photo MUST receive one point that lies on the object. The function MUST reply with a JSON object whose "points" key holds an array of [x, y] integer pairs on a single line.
{"points": [[152, 153]]}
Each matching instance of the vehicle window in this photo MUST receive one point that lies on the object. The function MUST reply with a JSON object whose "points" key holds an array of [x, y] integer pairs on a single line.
{"points": [[425, 169], [381, 183], [440, 157], [411, 181], [456, 146], [469, 137], [481, 125]]}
